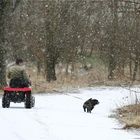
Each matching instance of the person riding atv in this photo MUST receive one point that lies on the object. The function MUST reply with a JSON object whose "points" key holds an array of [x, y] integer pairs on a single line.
{"points": [[19, 89], [18, 76]]}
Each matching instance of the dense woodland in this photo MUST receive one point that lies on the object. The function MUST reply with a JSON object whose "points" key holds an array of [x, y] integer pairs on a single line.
{"points": [[67, 32]]}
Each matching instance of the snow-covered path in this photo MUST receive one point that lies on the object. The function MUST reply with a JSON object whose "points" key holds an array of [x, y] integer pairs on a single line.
{"points": [[61, 117]]}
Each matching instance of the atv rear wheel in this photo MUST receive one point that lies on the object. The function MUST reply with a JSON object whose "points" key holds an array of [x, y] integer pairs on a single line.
{"points": [[5, 101]]}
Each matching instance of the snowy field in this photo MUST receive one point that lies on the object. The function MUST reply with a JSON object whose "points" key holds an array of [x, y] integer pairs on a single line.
{"points": [[61, 117]]}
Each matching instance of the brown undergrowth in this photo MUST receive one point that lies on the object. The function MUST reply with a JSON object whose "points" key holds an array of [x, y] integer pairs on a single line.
{"points": [[66, 82], [129, 115], [95, 76]]}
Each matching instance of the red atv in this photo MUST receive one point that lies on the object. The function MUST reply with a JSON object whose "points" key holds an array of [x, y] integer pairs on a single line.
{"points": [[18, 95]]}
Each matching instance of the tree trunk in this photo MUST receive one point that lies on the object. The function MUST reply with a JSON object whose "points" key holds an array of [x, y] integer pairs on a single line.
{"points": [[50, 68], [130, 65], [38, 67], [50, 54], [2, 66], [112, 55], [112, 66], [2, 50], [137, 52], [135, 67]]}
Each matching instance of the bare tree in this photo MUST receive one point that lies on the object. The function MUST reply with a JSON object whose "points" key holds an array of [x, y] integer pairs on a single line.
{"points": [[3, 10]]}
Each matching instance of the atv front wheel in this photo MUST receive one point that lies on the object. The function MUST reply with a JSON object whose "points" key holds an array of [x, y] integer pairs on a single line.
{"points": [[33, 101], [28, 100]]}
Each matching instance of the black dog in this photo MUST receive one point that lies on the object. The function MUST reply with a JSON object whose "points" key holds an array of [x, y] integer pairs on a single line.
{"points": [[89, 105]]}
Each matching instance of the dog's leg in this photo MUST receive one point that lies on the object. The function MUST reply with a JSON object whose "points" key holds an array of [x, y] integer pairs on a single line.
{"points": [[88, 110], [84, 108]]}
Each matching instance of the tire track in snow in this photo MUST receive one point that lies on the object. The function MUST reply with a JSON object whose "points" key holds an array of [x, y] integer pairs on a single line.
{"points": [[8, 125]]}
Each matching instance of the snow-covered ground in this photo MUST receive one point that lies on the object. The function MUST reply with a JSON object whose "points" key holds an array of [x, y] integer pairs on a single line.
{"points": [[61, 117]]}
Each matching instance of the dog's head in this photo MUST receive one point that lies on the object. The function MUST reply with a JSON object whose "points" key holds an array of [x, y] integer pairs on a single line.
{"points": [[95, 101]]}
